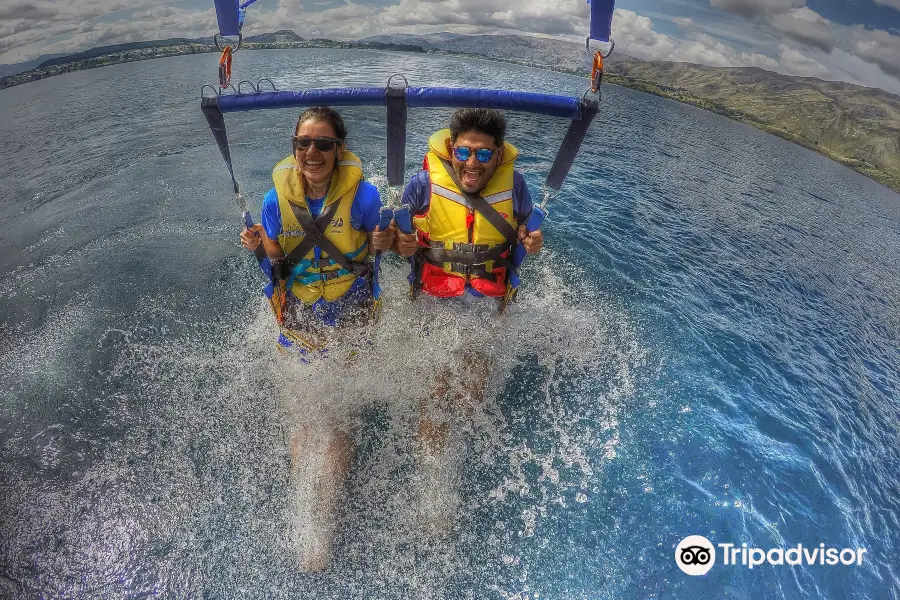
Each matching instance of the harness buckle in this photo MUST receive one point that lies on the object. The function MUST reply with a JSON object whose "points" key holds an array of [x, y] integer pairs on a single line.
{"points": [[461, 268], [479, 270], [280, 269]]}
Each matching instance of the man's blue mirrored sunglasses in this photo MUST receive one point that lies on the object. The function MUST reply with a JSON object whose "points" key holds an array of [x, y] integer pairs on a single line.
{"points": [[462, 154]]}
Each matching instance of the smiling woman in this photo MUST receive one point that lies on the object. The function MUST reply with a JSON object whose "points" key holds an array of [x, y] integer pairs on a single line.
{"points": [[319, 226]]}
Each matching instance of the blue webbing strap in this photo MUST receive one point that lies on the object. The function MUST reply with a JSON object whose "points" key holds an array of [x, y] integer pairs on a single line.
{"points": [[601, 19], [396, 135], [216, 121], [562, 164], [227, 14], [395, 99], [571, 144]]}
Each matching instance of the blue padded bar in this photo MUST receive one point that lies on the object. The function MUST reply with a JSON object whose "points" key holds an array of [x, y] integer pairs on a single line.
{"points": [[545, 104], [324, 97], [601, 19], [227, 14], [568, 107]]}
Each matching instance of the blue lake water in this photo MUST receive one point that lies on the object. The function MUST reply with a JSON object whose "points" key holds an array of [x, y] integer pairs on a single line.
{"points": [[709, 345]]}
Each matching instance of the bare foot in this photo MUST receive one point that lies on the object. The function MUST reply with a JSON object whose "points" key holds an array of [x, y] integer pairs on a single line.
{"points": [[439, 495]]}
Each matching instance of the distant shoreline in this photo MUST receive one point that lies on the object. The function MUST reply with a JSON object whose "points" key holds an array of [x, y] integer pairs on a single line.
{"points": [[648, 87], [148, 53]]}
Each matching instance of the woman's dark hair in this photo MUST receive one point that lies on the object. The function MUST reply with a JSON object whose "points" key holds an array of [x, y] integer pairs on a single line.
{"points": [[483, 120], [324, 114]]}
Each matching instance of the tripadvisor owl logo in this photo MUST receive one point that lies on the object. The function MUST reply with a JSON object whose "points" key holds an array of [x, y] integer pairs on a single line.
{"points": [[695, 555]]}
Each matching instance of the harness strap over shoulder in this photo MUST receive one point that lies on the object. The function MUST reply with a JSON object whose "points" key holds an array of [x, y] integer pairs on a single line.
{"points": [[315, 236], [483, 207], [308, 243]]}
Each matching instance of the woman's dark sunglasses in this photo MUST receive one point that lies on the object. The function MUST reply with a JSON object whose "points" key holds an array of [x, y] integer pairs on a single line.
{"points": [[323, 144], [462, 153]]}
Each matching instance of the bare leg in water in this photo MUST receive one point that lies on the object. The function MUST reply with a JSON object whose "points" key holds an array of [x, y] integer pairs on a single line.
{"points": [[456, 393], [320, 462]]}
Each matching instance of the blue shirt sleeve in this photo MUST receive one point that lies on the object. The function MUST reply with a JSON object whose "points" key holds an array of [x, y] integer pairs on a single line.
{"points": [[522, 203], [365, 212], [418, 193], [271, 215]]}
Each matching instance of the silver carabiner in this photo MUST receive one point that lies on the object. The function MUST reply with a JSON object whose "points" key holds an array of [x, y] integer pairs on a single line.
{"points": [[590, 51]]}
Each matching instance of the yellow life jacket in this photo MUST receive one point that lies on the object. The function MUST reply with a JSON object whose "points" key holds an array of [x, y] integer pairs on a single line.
{"points": [[451, 224], [312, 279]]}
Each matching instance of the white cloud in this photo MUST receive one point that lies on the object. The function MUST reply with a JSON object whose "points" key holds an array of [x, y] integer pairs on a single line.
{"points": [[794, 19], [848, 67], [874, 46], [26, 10], [757, 8], [794, 62], [549, 17], [790, 17], [805, 25], [890, 3], [860, 56], [75, 34], [635, 35], [560, 18]]}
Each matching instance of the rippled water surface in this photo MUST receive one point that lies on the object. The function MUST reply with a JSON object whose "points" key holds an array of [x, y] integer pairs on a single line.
{"points": [[709, 345]]}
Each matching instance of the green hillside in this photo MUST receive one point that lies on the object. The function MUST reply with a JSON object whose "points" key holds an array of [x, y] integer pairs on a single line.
{"points": [[857, 126]]}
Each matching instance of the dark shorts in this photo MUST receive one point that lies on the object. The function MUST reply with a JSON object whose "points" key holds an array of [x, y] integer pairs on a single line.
{"points": [[309, 329]]}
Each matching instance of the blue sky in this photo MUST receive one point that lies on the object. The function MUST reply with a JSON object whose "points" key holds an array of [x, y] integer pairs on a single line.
{"points": [[857, 41]]}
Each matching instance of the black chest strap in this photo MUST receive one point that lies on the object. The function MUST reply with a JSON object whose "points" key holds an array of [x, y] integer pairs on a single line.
{"points": [[314, 230]]}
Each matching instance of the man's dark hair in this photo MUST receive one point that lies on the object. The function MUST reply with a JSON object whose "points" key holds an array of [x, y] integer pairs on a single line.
{"points": [[483, 120], [324, 114]]}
